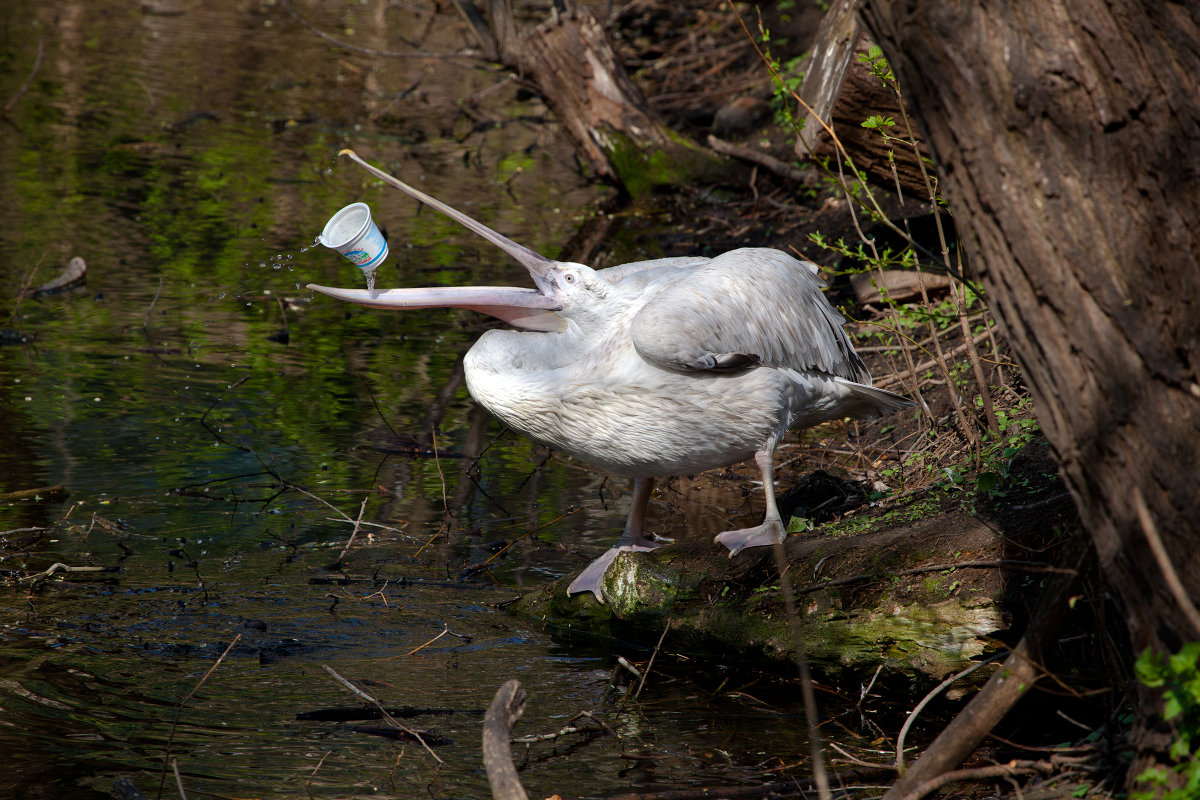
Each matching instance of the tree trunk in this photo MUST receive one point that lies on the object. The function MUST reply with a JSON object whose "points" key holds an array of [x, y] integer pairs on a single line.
{"points": [[1068, 140]]}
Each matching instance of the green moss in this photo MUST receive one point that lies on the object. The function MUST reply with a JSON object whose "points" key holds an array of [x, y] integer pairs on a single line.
{"points": [[909, 512], [642, 169]]}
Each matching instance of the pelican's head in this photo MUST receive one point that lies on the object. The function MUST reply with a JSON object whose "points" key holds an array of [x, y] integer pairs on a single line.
{"points": [[560, 285]]}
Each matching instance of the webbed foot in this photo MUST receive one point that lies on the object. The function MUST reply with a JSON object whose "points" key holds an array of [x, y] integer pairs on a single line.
{"points": [[593, 574], [769, 533]]}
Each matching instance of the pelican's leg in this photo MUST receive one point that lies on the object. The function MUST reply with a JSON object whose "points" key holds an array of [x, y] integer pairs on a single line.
{"points": [[632, 539], [772, 530]]}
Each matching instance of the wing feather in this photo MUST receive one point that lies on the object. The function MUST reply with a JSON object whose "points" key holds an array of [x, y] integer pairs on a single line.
{"points": [[747, 306]]}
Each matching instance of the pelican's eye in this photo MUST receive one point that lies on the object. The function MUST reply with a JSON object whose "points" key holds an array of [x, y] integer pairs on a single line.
{"points": [[569, 278]]}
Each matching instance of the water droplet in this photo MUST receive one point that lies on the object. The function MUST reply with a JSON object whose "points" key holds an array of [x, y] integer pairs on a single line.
{"points": [[222, 297]]}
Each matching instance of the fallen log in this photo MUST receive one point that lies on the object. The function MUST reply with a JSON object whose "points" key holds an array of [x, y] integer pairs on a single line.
{"points": [[873, 590], [616, 133]]}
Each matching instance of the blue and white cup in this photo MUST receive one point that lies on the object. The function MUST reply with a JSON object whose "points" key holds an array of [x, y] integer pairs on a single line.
{"points": [[353, 234]]}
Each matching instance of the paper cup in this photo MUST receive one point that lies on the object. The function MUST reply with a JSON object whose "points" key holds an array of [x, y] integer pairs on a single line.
{"points": [[353, 234]]}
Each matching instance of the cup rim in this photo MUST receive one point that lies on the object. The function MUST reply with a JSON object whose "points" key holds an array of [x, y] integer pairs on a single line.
{"points": [[357, 234]]}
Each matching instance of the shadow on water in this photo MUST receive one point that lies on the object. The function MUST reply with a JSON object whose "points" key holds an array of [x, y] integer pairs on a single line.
{"points": [[186, 151]]}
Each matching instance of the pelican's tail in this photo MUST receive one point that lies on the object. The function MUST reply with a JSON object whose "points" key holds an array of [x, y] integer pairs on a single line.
{"points": [[867, 402]]}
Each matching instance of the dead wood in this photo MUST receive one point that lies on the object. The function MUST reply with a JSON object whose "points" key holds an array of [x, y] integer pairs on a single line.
{"points": [[506, 708], [616, 133], [1016, 676], [839, 93], [74, 274], [899, 285], [53, 493], [38, 577], [802, 787]]}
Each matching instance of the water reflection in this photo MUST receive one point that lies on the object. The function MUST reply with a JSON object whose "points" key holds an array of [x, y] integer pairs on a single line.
{"points": [[218, 431]]}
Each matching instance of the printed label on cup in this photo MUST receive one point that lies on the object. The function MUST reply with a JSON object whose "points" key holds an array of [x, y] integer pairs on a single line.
{"points": [[355, 235]]}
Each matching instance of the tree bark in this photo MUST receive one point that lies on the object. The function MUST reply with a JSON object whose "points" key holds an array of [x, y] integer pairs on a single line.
{"points": [[1068, 140]]}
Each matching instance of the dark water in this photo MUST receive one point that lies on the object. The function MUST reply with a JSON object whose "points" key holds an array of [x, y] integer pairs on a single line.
{"points": [[216, 425]]}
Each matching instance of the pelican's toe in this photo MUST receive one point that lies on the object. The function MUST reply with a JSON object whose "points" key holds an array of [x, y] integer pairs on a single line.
{"points": [[765, 535], [593, 574]]}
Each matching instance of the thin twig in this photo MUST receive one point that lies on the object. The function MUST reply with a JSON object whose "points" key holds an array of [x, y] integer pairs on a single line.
{"points": [[858, 761], [313, 774], [912, 715], [146, 317], [867, 691], [1164, 560], [388, 718], [24, 291], [820, 776], [979, 773], [426, 644], [441, 475], [37, 62], [162, 778], [650, 663], [531, 531], [38, 577], [178, 779], [354, 533], [567, 730]]}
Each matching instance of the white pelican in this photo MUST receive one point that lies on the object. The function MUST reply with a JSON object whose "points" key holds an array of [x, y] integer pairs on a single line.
{"points": [[656, 368]]}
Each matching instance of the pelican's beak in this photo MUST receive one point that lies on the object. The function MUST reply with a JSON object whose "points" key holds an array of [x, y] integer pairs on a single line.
{"points": [[521, 308], [524, 308]]}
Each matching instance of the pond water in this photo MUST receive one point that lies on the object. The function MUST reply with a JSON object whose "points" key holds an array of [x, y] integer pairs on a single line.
{"points": [[218, 428]]}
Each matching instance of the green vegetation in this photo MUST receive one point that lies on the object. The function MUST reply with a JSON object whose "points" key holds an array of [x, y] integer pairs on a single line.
{"points": [[1178, 676], [944, 340]]}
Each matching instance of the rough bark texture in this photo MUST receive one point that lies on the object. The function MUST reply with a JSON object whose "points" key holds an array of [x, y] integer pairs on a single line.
{"points": [[1068, 139]]}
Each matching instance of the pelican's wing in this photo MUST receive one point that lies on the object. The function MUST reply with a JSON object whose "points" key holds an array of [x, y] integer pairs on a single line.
{"points": [[748, 306]]}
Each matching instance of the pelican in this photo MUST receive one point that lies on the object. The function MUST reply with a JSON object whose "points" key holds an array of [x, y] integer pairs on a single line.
{"points": [[655, 368]]}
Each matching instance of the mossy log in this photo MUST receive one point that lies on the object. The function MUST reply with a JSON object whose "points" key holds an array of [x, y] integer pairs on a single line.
{"points": [[616, 133], [887, 597]]}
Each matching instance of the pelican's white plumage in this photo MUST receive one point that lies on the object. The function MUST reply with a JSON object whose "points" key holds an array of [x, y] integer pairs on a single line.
{"points": [[657, 368]]}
